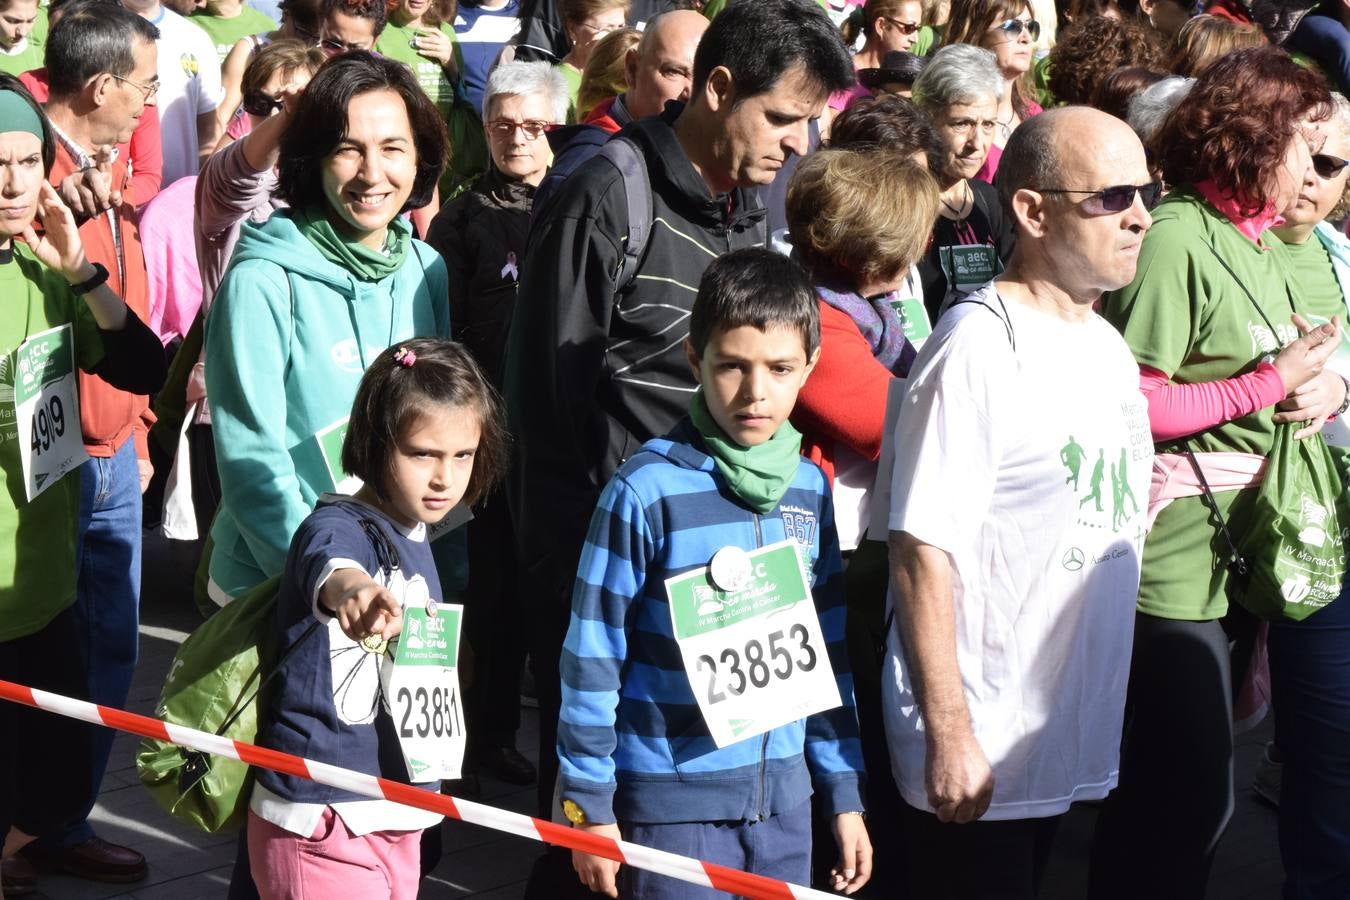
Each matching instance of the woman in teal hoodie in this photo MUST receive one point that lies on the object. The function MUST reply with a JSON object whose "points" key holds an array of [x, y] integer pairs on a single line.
{"points": [[311, 297]]}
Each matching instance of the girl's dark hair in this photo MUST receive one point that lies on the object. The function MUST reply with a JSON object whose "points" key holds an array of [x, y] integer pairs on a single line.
{"points": [[1235, 125], [10, 83], [321, 120], [393, 396], [1123, 85], [757, 287], [888, 122]]}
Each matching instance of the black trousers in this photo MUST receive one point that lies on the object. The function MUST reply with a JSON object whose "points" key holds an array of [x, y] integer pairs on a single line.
{"points": [[1158, 831], [45, 776], [984, 860]]}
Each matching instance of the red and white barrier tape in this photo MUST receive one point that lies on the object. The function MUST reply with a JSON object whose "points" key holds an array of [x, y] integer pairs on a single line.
{"points": [[682, 867]]}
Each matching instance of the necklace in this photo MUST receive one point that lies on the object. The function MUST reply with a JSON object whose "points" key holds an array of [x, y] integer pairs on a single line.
{"points": [[966, 197]]}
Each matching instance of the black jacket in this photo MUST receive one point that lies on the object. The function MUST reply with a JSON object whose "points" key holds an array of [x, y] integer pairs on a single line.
{"points": [[592, 373], [541, 34], [481, 237]]}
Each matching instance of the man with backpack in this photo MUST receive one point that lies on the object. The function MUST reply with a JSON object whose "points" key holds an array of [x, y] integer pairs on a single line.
{"points": [[594, 363]]}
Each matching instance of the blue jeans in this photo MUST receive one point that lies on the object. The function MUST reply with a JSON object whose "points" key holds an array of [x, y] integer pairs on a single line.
{"points": [[107, 601], [778, 847], [1310, 678]]}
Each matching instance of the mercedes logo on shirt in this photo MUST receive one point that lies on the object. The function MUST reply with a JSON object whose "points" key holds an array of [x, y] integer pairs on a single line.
{"points": [[1073, 559]]}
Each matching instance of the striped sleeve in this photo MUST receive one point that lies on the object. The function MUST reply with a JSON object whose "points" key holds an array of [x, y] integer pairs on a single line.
{"points": [[610, 577], [833, 744]]}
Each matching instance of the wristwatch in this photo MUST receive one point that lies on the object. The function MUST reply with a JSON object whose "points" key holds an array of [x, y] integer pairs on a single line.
{"points": [[573, 812], [99, 277], [1346, 404]]}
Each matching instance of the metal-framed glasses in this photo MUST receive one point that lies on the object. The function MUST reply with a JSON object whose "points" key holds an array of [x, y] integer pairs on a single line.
{"points": [[147, 90], [1014, 27], [1112, 199], [505, 128]]}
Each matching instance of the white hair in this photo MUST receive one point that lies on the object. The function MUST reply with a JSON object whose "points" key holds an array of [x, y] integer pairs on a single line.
{"points": [[958, 73], [519, 79], [1151, 106]]}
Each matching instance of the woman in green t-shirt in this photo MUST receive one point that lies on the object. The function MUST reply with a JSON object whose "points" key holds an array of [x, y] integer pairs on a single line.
{"points": [[1310, 660], [58, 313], [1207, 314], [586, 22]]}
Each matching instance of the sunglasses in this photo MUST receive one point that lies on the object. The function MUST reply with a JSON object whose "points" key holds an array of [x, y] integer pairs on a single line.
{"points": [[256, 103], [904, 27], [1327, 166], [1014, 27], [1113, 199]]}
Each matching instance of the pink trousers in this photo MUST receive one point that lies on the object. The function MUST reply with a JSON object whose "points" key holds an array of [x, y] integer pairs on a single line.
{"points": [[333, 862]]}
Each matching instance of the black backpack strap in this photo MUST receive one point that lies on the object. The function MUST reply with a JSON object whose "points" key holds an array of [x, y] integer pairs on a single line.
{"points": [[1001, 312], [624, 155]]}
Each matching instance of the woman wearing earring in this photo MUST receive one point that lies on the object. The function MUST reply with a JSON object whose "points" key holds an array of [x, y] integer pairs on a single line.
{"points": [[1007, 29], [971, 237]]}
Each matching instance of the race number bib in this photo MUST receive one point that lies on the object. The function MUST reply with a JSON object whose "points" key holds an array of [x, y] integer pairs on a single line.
{"points": [[751, 641], [969, 266], [421, 685], [47, 408], [330, 445]]}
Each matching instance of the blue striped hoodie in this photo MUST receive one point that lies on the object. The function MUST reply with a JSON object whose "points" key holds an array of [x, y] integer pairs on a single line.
{"points": [[632, 744]]}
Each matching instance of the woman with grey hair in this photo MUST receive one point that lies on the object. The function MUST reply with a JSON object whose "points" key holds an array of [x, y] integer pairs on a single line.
{"points": [[1154, 103], [481, 236], [960, 90], [1309, 659]]}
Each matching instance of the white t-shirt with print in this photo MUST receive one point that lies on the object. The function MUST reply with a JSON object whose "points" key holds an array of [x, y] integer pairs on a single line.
{"points": [[189, 85], [1030, 467]]}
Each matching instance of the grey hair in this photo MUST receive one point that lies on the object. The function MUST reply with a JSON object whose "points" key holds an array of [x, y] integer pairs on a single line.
{"points": [[518, 79], [1031, 158], [958, 73], [1151, 106]]}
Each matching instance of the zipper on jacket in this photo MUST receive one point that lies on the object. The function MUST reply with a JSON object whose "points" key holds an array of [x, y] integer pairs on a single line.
{"points": [[759, 538], [763, 779]]}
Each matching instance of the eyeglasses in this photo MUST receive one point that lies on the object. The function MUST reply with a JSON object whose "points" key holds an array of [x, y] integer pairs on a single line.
{"points": [[1014, 27], [1113, 199], [1327, 166], [256, 103], [905, 27], [505, 128], [147, 90], [333, 46]]}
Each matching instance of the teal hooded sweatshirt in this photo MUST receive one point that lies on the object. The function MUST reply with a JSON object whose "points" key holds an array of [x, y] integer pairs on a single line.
{"points": [[287, 340]]}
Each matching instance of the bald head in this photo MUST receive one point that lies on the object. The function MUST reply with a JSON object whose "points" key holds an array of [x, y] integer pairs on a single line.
{"points": [[661, 67], [1068, 178]]}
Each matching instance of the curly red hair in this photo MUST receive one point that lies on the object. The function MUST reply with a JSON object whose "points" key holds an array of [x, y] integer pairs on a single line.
{"points": [[1234, 126]]}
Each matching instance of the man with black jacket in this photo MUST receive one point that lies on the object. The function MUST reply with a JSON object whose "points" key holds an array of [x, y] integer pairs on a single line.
{"points": [[594, 362]]}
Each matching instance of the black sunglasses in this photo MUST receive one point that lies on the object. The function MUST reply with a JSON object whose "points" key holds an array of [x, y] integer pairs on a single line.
{"points": [[1113, 199], [1327, 166], [1014, 27], [256, 103]]}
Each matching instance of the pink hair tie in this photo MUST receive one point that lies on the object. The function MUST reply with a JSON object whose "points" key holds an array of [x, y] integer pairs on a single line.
{"points": [[405, 357]]}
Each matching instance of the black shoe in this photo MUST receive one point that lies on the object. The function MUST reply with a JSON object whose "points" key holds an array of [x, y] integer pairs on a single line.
{"points": [[509, 765], [94, 860]]}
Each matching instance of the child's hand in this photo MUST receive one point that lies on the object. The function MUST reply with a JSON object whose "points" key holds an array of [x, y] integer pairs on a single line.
{"points": [[361, 607], [855, 853], [596, 872]]}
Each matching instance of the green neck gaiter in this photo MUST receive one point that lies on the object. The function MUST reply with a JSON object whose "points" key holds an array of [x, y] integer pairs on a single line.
{"points": [[363, 262], [760, 476]]}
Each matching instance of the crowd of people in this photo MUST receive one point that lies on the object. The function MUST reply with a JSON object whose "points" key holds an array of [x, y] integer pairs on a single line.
{"points": [[870, 427]]}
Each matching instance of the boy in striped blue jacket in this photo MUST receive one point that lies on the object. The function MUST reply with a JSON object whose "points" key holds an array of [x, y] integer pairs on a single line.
{"points": [[704, 694]]}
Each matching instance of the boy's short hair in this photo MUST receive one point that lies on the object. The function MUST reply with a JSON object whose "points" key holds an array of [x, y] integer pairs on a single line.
{"points": [[756, 287], [392, 396]]}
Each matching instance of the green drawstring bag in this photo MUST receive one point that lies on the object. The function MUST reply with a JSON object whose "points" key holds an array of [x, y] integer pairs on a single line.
{"points": [[1295, 543], [214, 686]]}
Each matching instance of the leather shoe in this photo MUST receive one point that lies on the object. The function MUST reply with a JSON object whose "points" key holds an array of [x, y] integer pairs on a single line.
{"points": [[17, 876], [94, 860], [509, 765]]}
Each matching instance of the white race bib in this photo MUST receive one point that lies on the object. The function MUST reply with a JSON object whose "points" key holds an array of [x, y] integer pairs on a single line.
{"points": [[47, 408], [421, 684], [754, 654]]}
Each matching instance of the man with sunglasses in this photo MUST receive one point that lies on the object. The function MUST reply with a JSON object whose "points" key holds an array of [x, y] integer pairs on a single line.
{"points": [[1013, 582]]}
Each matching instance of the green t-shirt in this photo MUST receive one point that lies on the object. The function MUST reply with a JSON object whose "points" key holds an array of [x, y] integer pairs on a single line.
{"points": [[572, 75], [395, 42], [1187, 317], [926, 40], [37, 539], [28, 57], [225, 33]]}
